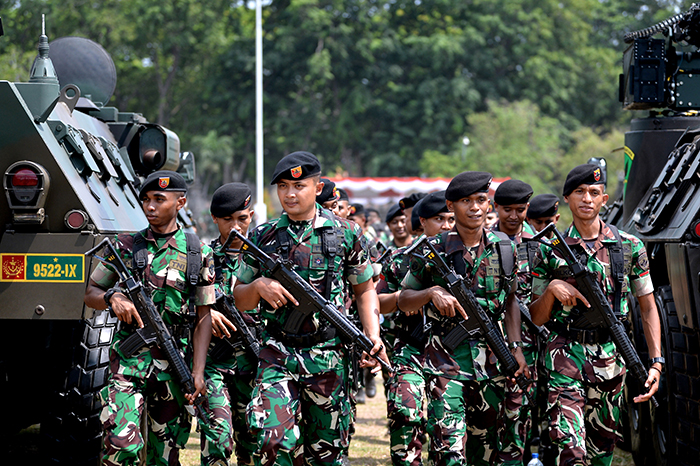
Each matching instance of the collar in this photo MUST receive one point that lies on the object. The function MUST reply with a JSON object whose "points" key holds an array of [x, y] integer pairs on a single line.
{"points": [[172, 241], [605, 236], [453, 242], [321, 219]]}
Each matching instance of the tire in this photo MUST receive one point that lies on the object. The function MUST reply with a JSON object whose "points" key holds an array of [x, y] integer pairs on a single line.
{"points": [[71, 430], [637, 419], [675, 423]]}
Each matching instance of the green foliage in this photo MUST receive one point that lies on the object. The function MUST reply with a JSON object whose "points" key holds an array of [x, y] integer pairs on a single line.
{"points": [[372, 88]]}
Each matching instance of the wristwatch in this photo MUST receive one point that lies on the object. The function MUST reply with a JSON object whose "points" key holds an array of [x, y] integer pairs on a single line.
{"points": [[661, 361], [515, 344], [109, 293]]}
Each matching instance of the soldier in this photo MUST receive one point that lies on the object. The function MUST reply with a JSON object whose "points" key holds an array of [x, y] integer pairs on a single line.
{"points": [[230, 371], [543, 210], [343, 204], [407, 203], [586, 372], [144, 380], [406, 394], [300, 404], [329, 197], [491, 216], [511, 201], [396, 221], [465, 386]]}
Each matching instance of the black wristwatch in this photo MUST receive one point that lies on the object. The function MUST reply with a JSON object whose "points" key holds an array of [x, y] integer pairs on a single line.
{"points": [[109, 293], [660, 360]]}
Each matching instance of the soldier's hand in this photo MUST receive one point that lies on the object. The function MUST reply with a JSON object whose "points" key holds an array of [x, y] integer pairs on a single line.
{"points": [[652, 384], [522, 363], [200, 388], [379, 351], [274, 293], [446, 304], [220, 325], [125, 310], [566, 294]]}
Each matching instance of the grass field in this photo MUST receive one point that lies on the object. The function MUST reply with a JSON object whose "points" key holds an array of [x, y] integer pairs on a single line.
{"points": [[369, 447]]}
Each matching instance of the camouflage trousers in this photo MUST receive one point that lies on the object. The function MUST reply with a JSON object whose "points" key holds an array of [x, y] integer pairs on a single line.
{"points": [[300, 408], [517, 422], [462, 419], [228, 395], [405, 399], [584, 419], [124, 399]]}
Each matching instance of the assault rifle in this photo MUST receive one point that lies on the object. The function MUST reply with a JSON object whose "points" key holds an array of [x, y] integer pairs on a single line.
{"points": [[478, 323], [226, 306], [541, 330], [600, 313], [309, 300], [154, 331]]}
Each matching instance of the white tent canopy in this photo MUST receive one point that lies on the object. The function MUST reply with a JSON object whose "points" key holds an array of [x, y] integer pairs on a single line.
{"points": [[387, 190]]}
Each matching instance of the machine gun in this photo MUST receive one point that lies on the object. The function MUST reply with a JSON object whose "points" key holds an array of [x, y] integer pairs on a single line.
{"points": [[477, 322], [309, 300], [154, 331], [600, 313]]}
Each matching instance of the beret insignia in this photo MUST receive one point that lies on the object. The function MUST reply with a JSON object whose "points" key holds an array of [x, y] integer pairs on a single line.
{"points": [[296, 171], [596, 174], [164, 181]]}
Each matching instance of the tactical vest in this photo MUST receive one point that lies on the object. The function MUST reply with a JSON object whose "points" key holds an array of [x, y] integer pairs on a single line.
{"points": [[194, 264]]}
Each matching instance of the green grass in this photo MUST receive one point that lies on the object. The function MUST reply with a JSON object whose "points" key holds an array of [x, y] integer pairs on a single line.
{"points": [[369, 446]]}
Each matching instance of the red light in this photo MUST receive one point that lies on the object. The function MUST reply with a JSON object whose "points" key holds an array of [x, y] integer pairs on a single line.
{"points": [[25, 177], [697, 229], [76, 219]]}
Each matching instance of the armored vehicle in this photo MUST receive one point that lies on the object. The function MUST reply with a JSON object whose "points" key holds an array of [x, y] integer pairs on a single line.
{"points": [[71, 167], [661, 205]]}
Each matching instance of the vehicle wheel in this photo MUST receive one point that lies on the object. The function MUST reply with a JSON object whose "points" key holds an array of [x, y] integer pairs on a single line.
{"points": [[636, 422], [71, 429], [675, 422]]}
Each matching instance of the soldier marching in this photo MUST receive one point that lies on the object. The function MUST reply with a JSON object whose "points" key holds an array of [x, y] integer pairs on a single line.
{"points": [[291, 402]]}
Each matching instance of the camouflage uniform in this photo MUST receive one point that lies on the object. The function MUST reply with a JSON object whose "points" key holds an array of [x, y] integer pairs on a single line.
{"points": [[406, 386], [300, 408], [230, 383], [586, 380], [143, 381], [465, 387], [518, 419]]}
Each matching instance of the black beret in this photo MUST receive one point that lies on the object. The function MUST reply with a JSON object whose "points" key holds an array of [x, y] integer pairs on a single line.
{"points": [[587, 173], [230, 198], [410, 201], [467, 183], [163, 180], [431, 205], [329, 193], [394, 211], [343, 195], [415, 219], [357, 209], [543, 205], [296, 166], [512, 192]]}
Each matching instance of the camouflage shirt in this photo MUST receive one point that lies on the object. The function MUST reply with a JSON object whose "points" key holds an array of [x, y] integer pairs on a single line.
{"points": [[473, 359], [350, 264], [596, 362], [164, 278]]}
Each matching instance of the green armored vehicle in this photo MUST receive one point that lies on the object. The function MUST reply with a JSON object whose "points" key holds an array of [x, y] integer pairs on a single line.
{"points": [[70, 168]]}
